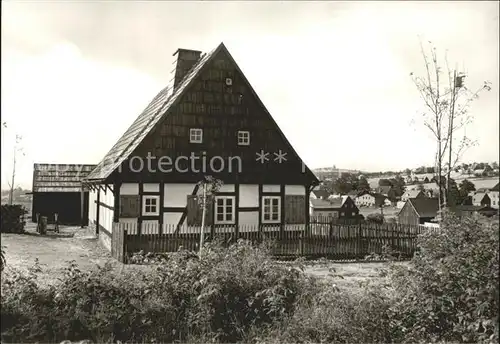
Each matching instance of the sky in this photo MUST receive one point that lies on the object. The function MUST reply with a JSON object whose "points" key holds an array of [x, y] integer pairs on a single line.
{"points": [[334, 75]]}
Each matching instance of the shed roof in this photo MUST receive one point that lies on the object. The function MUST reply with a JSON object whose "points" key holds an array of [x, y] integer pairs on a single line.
{"points": [[496, 187], [412, 193], [425, 207], [59, 177]]}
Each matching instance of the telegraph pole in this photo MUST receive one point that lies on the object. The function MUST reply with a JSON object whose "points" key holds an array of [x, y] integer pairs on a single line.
{"points": [[457, 83]]}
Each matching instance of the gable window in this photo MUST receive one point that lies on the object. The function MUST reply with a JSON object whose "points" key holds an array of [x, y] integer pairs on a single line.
{"points": [[243, 138], [271, 209], [195, 135], [150, 205], [224, 210]]}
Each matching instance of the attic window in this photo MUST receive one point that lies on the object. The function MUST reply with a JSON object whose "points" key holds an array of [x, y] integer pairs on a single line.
{"points": [[243, 138], [195, 135]]}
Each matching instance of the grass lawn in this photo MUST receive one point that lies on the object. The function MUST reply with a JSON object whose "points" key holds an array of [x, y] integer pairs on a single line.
{"points": [[55, 251]]}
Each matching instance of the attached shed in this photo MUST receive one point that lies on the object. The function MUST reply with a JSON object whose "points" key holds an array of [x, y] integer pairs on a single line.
{"points": [[57, 189]]}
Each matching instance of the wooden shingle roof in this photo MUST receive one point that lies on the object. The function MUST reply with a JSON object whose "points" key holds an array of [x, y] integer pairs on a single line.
{"points": [[59, 177], [146, 122], [425, 207], [156, 110]]}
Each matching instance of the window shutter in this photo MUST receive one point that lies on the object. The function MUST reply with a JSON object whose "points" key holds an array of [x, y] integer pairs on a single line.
{"points": [[193, 211], [129, 206], [295, 208], [210, 214]]}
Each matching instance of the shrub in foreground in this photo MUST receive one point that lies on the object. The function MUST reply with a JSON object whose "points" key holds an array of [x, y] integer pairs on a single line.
{"points": [[450, 290], [447, 293], [215, 297]]}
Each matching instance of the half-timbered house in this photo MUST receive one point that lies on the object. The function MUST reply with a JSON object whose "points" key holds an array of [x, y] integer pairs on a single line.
{"points": [[211, 122]]}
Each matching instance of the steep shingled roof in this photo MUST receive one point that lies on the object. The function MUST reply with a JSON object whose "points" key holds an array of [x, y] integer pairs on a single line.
{"points": [[155, 111], [146, 122], [59, 177]]}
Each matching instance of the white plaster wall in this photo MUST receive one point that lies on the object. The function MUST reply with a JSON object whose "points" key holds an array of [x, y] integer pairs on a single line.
{"points": [[271, 188], [249, 195], [250, 219], [295, 190], [105, 214], [92, 206], [227, 188], [176, 194], [171, 219], [129, 189], [151, 187]]}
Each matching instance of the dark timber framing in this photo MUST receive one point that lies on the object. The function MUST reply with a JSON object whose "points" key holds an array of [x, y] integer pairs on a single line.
{"points": [[282, 210], [139, 219], [97, 212], [116, 194], [237, 209], [161, 211]]}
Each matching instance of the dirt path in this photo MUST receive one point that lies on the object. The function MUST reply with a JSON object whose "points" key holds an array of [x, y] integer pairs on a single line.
{"points": [[55, 251]]}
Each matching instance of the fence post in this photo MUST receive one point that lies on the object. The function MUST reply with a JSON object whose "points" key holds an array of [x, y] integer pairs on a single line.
{"points": [[301, 244], [359, 249], [123, 247], [392, 239]]}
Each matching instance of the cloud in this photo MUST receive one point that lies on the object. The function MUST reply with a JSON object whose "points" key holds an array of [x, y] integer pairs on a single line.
{"points": [[69, 109]]}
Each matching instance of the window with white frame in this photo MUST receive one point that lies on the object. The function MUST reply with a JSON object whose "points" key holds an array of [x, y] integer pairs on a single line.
{"points": [[150, 205], [243, 138], [195, 135], [224, 210], [271, 209]]}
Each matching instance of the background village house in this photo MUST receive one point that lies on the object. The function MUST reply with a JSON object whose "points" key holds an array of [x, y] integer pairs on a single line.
{"points": [[370, 199], [336, 208], [418, 211]]}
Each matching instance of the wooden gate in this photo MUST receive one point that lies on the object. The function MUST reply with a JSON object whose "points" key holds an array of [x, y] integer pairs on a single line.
{"points": [[118, 243]]}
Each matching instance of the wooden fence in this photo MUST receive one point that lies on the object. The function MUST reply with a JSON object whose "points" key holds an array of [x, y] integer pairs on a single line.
{"points": [[330, 240]]}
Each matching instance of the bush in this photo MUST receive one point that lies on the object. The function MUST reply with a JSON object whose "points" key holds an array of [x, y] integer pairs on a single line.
{"points": [[12, 218], [447, 293], [450, 290], [216, 297], [375, 218], [336, 316]]}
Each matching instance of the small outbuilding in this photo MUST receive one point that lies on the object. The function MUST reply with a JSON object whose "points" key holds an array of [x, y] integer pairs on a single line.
{"points": [[57, 189]]}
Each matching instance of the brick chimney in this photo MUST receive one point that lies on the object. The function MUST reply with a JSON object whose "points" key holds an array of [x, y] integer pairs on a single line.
{"points": [[185, 60]]}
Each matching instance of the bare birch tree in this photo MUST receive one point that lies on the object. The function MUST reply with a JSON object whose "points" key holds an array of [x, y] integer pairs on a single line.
{"points": [[446, 112], [17, 149]]}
